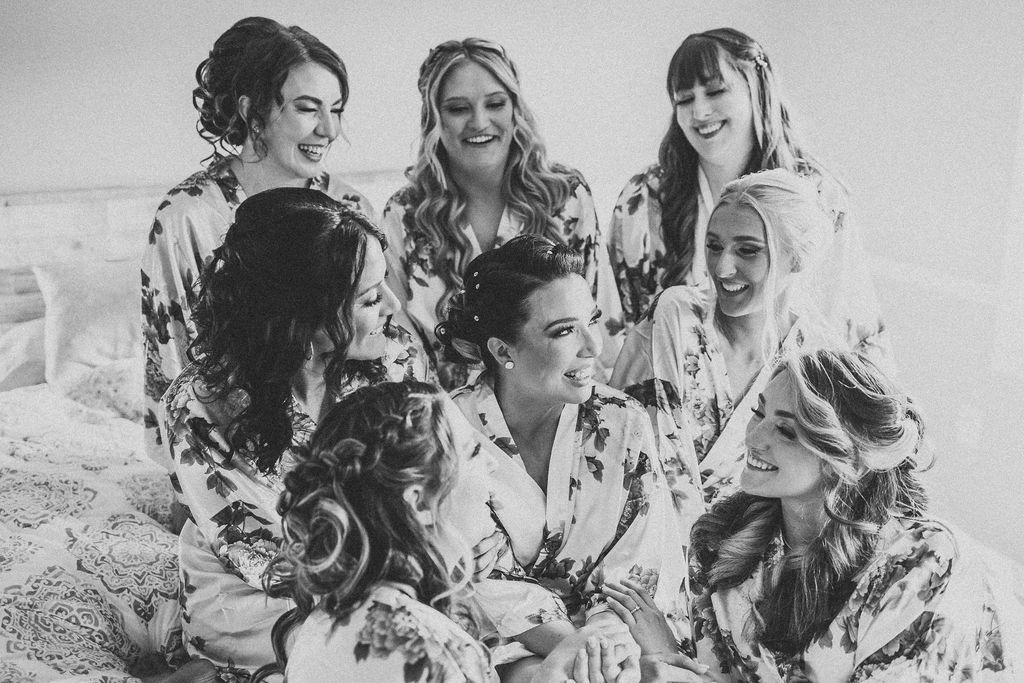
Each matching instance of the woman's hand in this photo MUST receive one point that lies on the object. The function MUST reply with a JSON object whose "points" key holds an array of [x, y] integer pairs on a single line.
{"points": [[671, 668], [597, 663], [631, 602], [487, 553]]}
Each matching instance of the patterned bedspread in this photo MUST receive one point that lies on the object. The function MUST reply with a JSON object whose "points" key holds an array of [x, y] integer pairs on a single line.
{"points": [[88, 570]]}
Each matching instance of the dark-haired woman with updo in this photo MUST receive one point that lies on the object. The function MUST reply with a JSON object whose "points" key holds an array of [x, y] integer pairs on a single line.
{"points": [[292, 313], [826, 566], [597, 486], [269, 98]]}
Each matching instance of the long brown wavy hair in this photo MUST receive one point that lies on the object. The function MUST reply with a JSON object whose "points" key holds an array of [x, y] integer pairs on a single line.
{"points": [[869, 437], [699, 59], [289, 263]]}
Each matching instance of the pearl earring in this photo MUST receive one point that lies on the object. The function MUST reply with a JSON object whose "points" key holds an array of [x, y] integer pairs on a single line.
{"points": [[509, 365]]}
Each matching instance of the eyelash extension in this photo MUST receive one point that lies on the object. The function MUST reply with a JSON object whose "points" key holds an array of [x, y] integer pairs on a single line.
{"points": [[757, 412], [376, 300]]}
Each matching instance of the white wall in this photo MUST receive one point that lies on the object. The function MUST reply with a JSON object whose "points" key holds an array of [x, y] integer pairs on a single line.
{"points": [[916, 105]]}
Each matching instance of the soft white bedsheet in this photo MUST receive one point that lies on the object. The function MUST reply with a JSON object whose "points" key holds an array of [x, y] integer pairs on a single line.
{"points": [[88, 573]]}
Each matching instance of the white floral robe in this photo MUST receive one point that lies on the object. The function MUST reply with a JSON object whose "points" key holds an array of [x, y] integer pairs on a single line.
{"points": [[673, 364], [190, 223], [389, 637], [235, 529], [607, 514], [922, 610], [842, 287], [412, 276]]}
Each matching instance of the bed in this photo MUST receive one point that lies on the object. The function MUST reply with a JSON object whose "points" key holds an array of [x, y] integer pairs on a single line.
{"points": [[88, 560]]}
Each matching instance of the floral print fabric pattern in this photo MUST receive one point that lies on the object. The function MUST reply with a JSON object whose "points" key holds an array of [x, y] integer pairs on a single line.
{"points": [[190, 223], [235, 529], [389, 637], [639, 258], [921, 610], [606, 512], [413, 278]]}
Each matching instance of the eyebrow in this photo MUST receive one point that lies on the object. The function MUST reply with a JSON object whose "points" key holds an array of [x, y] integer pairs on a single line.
{"points": [[741, 238], [562, 321], [785, 413], [314, 100], [460, 98]]}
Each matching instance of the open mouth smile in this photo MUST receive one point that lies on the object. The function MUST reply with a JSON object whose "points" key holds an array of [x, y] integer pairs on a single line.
{"points": [[481, 139], [709, 130], [313, 152], [580, 376], [756, 463]]}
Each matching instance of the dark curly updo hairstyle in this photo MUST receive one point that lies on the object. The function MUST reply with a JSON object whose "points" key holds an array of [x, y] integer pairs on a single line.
{"points": [[253, 58], [869, 436], [494, 303], [290, 262]]}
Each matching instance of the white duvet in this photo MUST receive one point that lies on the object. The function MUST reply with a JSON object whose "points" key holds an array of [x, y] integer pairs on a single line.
{"points": [[88, 572]]}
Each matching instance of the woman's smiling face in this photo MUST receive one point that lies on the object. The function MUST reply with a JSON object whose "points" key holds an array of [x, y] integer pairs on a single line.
{"points": [[736, 249], [558, 345], [476, 119], [778, 465]]}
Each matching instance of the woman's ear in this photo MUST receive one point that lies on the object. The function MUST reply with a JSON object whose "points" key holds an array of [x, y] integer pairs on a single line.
{"points": [[413, 497], [244, 105], [501, 351]]}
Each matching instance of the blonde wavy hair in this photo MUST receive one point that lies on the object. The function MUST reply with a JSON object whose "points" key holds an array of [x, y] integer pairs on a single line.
{"points": [[532, 188], [797, 231], [869, 436]]}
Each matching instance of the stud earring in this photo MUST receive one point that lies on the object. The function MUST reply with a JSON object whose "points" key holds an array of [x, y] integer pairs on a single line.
{"points": [[509, 365]]}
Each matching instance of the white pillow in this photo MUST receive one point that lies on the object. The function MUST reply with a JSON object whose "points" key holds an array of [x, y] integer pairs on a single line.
{"points": [[22, 362], [92, 316]]}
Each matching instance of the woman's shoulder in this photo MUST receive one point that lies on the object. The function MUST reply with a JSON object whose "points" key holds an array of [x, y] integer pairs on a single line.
{"points": [[681, 301], [389, 631], [336, 188], [213, 185], [608, 399], [647, 180], [191, 396]]}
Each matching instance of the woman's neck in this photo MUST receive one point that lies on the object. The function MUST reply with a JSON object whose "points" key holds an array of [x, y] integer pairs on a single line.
{"points": [[256, 175], [309, 386], [532, 425], [802, 522], [480, 187], [720, 175]]}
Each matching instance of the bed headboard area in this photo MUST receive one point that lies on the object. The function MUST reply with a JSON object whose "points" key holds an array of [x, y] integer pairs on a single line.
{"points": [[68, 229]]}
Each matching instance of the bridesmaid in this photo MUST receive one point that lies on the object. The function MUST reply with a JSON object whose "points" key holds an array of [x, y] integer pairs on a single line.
{"points": [[481, 178], [729, 118], [270, 99]]}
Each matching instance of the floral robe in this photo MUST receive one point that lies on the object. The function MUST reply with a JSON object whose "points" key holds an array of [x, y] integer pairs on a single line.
{"points": [[235, 529], [391, 636], [412, 277], [190, 223], [922, 610], [607, 514], [673, 364], [842, 286]]}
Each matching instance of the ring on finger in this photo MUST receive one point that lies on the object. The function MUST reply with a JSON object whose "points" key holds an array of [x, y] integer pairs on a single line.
{"points": [[635, 609]]}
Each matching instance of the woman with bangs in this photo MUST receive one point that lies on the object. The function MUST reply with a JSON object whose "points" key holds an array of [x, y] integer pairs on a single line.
{"points": [[270, 99], [292, 313], [480, 179], [700, 355], [729, 119], [826, 566], [378, 577]]}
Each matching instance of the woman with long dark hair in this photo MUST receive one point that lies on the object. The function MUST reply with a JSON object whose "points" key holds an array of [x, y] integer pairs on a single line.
{"points": [[292, 314], [729, 118]]}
